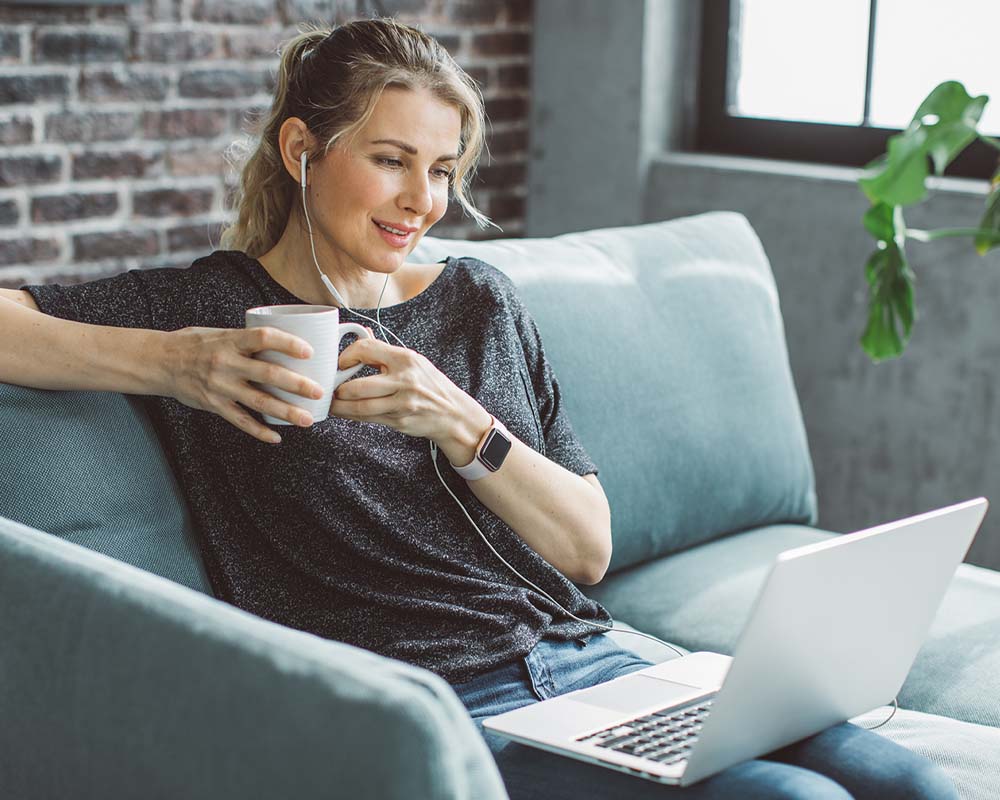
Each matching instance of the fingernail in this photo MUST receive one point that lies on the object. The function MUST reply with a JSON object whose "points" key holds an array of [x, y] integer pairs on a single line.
{"points": [[274, 439], [306, 352], [305, 420]]}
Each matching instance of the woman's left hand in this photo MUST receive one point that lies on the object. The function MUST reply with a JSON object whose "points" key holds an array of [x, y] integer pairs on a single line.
{"points": [[411, 394]]}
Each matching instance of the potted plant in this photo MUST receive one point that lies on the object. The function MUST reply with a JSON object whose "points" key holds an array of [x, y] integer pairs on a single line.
{"points": [[942, 127]]}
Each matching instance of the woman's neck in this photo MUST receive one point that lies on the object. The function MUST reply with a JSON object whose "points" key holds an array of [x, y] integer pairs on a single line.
{"points": [[290, 263]]}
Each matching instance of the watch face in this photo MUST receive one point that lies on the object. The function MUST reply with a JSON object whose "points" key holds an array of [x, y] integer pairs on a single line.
{"points": [[495, 450]]}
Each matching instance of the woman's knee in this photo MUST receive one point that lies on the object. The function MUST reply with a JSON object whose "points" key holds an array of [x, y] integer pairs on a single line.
{"points": [[894, 772], [774, 781], [889, 771], [808, 786]]}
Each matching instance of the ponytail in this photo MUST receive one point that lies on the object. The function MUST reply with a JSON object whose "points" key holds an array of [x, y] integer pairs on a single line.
{"points": [[264, 195]]}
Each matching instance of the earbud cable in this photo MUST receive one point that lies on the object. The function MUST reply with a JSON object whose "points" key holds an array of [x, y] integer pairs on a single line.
{"points": [[434, 450]]}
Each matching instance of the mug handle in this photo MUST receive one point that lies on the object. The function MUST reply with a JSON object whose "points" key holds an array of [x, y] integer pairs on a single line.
{"points": [[344, 329]]}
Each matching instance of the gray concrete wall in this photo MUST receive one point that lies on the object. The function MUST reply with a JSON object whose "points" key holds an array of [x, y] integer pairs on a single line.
{"points": [[610, 81], [614, 90], [891, 439]]}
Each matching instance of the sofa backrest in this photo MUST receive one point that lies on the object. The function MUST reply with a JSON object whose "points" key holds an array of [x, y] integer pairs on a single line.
{"points": [[87, 467], [668, 342], [115, 683]]}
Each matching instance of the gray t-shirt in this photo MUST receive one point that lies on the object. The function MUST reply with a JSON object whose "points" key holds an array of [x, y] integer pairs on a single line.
{"points": [[344, 529]]}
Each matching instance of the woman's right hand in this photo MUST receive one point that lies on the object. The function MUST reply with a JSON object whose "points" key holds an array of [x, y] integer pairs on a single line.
{"points": [[211, 368]]}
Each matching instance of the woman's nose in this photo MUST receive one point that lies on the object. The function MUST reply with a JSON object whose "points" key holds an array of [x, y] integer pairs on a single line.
{"points": [[416, 195]]}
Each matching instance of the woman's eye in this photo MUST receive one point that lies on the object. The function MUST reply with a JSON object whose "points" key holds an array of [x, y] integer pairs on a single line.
{"points": [[443, 174]]}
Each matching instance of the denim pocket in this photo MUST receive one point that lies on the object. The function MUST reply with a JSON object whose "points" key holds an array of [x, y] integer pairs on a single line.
{"points": [[557, 667], [539, 673]]}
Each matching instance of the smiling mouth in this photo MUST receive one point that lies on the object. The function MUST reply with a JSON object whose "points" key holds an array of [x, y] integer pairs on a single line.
{"points": [[391, 229], [394, 237]]}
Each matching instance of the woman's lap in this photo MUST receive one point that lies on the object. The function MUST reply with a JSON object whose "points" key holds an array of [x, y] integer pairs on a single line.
{"points": [[841, 762]]}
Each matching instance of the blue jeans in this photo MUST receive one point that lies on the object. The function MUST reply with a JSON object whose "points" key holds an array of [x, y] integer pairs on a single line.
{"points": [[841, 762]]}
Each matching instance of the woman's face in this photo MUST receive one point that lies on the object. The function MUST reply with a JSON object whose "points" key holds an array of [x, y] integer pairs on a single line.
{"points": [[394, 173]]}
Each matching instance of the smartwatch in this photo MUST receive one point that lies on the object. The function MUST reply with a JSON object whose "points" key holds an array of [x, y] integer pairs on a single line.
{"points": [[490, 452]]}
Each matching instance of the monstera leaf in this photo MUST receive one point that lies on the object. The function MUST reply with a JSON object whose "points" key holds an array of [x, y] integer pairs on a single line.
{"points": [[942, 127], [890, 285], [990, 224]]}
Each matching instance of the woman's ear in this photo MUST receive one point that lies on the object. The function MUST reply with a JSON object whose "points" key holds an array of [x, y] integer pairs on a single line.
{"points": [[294, 139]]}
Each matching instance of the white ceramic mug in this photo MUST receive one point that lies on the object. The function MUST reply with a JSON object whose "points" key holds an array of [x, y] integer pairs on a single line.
{"points": [[321, 327]]}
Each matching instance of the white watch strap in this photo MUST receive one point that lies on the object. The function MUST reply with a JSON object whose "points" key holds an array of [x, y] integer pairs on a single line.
{"points": [[475, 469]]}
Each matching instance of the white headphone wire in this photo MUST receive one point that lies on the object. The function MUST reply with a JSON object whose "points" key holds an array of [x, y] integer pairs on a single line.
{"points": [[434, 447]]}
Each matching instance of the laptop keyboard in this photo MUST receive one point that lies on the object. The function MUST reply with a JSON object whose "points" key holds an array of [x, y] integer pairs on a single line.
{"points": [[664, 736]]}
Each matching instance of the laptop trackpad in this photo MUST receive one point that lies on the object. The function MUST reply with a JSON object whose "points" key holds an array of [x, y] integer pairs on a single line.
{"points": [[636, 691]]}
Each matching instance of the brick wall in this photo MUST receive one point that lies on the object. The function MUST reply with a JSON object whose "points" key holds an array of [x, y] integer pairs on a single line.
{"points": [[113, 120]]}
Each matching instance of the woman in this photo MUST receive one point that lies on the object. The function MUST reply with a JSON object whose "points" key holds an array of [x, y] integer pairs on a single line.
{"points": [[345, 529]]}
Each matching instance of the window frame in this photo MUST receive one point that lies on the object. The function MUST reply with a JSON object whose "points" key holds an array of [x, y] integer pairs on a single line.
{"points": [[847, 145]]}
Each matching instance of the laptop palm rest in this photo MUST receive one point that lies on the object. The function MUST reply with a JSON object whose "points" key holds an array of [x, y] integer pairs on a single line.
{"points": [[635, 692]]}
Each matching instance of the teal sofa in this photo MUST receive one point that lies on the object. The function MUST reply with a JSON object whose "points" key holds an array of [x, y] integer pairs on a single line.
{"points": [[121, 676]]}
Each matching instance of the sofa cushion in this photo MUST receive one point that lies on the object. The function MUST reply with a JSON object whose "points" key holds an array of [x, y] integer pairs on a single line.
{"points": [[957, 672], [701, 599], [87, 467], [965, 751], [667, 341]]}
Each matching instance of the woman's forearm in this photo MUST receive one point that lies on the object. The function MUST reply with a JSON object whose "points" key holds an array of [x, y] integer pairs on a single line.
{"points": [[46, 352], [562, 517]]}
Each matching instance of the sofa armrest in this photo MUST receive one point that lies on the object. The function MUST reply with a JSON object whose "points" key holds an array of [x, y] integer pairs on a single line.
{"points": [[116, 682]]}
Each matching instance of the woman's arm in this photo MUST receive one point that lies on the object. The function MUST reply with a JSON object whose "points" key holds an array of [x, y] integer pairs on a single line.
{"points": [[46, 352], [20, 296], [204, 368], [564, 517]]}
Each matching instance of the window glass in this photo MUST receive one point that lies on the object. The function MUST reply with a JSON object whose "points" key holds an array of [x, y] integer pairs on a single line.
{"points": [[920, 43], [802, 61]]}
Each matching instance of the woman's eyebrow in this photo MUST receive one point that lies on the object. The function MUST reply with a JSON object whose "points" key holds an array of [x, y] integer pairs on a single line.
{"points": [[409, 148]]}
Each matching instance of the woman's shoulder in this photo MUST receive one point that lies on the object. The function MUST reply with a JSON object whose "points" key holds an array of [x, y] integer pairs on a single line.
{"points": [[231, 261], [479, 288], [218, 267], [213, 290], [482, 276]]}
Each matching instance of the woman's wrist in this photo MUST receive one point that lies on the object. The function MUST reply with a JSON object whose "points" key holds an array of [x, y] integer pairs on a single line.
{"points": [[165, 350], [158, 349], [466, 430]]}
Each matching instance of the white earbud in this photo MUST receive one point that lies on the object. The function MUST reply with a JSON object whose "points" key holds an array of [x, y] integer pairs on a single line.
{"points": [[333, 290], [326, 281]]}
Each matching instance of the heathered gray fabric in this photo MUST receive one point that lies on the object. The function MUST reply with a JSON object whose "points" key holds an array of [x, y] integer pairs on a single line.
{"points": [[344, 529]]}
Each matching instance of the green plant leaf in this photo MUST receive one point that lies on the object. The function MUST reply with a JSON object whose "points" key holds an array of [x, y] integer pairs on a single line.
{"points": [[898, 177], [949, 115], [890, 304], [878, 222], [946, 141], [944, 124], [991, 219]]}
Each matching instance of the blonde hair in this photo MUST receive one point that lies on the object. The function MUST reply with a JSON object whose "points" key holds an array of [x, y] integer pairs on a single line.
{"points": [[332, 80]]}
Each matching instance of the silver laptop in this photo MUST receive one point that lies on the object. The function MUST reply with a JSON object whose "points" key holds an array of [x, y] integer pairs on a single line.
{"points": [[833, 634]]}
